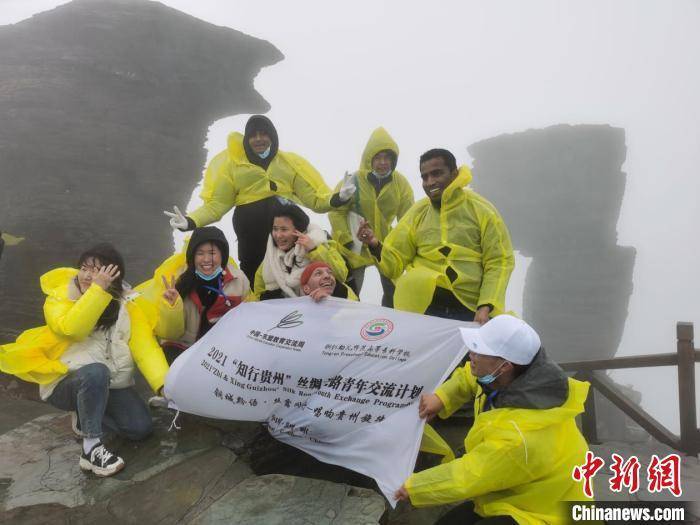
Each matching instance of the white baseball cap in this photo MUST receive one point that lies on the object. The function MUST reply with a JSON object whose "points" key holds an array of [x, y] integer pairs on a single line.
{"points": [[504, 336]]}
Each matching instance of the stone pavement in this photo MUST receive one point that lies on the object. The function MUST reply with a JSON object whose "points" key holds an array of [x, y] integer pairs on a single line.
{"points": [[212, 472], [188, 476]]}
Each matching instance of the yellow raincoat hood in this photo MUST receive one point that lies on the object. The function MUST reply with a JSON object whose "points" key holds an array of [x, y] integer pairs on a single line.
{"points": [[379, 140], [380, 210]]}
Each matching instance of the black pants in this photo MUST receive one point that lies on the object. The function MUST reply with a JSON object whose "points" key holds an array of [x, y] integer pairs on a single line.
{"points": [[252, 224], [464, 515], [444, 304]]}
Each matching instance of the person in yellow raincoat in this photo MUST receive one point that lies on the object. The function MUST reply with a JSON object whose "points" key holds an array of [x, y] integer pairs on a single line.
{"points": [[524, 444], [248, 174], [383, 194], [293, 244], [453, 246], [84, 358]]}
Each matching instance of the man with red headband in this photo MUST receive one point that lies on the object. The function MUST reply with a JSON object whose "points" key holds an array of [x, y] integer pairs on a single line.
{"points": [[317, 281]]}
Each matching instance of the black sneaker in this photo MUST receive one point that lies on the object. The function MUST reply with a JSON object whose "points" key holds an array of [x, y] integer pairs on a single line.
{"points": [[101, 461]]}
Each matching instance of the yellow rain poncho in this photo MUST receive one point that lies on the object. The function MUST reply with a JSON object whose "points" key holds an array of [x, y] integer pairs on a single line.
{"points": [[35, 356], [231, 180], [380, 210], [463, 246], [518, 461]]}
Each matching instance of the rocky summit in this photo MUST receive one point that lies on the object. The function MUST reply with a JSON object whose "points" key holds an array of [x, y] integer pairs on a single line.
{"points": [[105, 107]]}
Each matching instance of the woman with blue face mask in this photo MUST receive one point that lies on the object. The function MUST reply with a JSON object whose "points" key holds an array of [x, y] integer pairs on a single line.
{"points": [[192, 291]]}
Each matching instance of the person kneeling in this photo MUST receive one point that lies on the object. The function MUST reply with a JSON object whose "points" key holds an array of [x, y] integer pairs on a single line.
{"points": [[84, 358], [524, 443]]}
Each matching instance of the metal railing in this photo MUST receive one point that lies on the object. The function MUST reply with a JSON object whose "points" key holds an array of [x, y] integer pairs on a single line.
{"points": [[684, 359]]}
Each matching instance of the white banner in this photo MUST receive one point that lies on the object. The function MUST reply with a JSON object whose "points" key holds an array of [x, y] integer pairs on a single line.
{"points": [[339, 379]]}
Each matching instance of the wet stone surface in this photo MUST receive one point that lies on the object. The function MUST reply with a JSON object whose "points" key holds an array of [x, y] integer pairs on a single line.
{"points": [[277, 499], [191, 475]]}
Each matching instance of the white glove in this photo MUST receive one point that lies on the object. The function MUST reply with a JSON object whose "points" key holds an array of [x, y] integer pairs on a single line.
{"points": [[347, 190], [177, 220]]}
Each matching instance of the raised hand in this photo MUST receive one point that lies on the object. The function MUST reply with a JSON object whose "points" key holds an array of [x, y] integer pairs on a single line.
{"points": [[170, 294], [348, 188], [177, 220], [366, 234], [106, 275], [304, 241]]}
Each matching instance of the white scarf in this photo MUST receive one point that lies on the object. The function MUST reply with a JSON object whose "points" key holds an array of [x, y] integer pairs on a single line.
{"points": [[276, 262]]}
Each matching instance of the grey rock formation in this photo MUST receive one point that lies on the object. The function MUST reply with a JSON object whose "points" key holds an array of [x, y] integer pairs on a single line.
{"points": [[105, 106], [560, 191]]}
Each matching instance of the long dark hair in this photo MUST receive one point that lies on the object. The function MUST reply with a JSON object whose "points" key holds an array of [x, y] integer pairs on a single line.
{"points": [[106, 254]]}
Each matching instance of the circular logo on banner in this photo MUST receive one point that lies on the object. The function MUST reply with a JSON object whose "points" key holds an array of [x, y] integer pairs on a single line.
{"points": [[376, 329]]}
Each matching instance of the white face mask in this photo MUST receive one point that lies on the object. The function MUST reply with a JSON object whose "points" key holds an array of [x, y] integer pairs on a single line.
{"points": [[265, 153], [380, 177]]}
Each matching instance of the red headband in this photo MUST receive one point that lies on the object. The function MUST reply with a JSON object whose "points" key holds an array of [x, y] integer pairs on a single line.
{"points": [[306, 274]]}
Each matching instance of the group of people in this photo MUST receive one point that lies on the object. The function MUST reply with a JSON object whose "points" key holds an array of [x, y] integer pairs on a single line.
{"points": [[447, 255]]}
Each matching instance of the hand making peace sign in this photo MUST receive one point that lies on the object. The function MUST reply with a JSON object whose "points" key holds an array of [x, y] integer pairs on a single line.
{"points": [[170, 294]]}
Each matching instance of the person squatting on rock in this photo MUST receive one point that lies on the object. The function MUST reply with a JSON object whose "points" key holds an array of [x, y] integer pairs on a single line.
{"points": [[453, 246], [524, 442], [292, 245], [192, 291], [84, 358], [248, 174], [383, 194]]}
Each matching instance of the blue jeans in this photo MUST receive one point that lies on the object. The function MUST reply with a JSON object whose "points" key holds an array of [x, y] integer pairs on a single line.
{"points": [[119, 410]]}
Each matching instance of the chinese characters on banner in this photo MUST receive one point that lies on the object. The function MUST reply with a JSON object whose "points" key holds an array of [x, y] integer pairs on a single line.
{"points": [[662, 474], [338, 379]]}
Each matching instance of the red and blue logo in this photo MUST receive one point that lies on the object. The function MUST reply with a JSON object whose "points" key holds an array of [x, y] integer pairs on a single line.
{"points": [[376, 329]]}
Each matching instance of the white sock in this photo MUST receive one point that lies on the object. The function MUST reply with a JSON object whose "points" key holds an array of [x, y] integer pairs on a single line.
{"points": [[88, 443]]}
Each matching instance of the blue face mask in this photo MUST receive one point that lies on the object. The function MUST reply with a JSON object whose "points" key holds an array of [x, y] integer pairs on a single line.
{"points": [[265, 153], [490, 378], [211, 277]]}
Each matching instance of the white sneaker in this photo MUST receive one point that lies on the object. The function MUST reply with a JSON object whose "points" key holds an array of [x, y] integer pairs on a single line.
{"points": [[101, 461]]}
